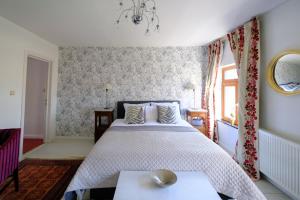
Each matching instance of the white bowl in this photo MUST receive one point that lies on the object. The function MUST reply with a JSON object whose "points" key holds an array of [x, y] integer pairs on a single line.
{"points": [[164, 177]]}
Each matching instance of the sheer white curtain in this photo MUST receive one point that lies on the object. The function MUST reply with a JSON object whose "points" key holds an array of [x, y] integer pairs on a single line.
{"points": [[215, 52]]}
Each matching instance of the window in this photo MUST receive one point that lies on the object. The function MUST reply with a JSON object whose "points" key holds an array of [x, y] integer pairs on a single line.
{"points": [[230, 94]]}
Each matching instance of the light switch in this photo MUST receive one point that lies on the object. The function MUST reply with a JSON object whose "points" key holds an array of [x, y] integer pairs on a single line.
{"points": [[12, 93]]}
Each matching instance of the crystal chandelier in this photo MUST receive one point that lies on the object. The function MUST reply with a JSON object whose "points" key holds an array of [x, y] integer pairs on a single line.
{"points": [[139, 11]]}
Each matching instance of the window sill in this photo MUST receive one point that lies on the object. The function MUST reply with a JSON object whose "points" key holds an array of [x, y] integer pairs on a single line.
{"points": [[227, 123]]}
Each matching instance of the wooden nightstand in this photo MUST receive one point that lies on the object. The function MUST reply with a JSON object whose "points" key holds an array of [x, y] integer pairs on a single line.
{"points": [[198, 114], [103, 119]]}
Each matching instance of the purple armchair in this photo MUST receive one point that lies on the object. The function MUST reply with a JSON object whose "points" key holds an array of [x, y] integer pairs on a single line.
{"points": [[9, 155]]}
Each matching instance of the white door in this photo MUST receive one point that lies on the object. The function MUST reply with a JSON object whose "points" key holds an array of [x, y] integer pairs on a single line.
{"points": [[36, 98]]}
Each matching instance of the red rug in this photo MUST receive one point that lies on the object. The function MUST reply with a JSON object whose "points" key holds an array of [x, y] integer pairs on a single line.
{"points": [[30, 144], [42, 179]]}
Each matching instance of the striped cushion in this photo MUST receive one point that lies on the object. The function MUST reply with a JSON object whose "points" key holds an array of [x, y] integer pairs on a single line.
{"points": [[167, 114], [135, 115]]}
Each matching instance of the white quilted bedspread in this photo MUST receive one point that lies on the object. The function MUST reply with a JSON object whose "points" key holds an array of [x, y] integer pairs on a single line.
{"points": [[147, 150]]}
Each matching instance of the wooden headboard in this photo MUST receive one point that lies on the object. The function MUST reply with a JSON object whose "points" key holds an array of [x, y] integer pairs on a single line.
{"points": [[121, 109]]}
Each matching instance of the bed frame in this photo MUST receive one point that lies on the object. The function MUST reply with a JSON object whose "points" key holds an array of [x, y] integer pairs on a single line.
{"points": [[121, 110], [108, 193]]}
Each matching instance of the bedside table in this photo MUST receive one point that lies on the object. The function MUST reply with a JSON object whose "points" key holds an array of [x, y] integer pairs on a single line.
{"points": [[198, 114], [103, 119]]}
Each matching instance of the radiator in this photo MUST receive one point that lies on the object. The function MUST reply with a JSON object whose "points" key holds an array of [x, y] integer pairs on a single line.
{"points": [[280, 162]]}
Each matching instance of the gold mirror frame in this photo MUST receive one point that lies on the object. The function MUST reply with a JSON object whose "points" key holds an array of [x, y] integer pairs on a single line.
{"points": [[271, 69]]}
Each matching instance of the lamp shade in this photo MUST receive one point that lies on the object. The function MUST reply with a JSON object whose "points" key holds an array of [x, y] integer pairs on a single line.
{"points": [[190, 86]]}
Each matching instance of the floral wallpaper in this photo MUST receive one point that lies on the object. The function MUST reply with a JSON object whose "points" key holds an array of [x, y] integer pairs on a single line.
{"points": [[134, 74]]}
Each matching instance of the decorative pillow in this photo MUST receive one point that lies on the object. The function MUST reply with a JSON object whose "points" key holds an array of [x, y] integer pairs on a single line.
{"points": [[126, 105], [135, 115], [167, 114], [176, 104]]}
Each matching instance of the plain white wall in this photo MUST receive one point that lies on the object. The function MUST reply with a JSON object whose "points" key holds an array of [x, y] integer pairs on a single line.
{"points": [[227, 58], [15, 43], [280, 31], [228, 136]]}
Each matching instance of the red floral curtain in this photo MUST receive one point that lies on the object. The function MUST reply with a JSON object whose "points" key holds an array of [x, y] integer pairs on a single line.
{"points": [[215, 52], [245, 45]]}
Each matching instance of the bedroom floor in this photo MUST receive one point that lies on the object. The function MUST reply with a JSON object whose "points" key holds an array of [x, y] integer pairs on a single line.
{"points": [[76, 149], [62, 149]]}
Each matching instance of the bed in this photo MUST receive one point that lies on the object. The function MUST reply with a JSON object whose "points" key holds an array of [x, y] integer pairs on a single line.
{"points": [[151, 146]]}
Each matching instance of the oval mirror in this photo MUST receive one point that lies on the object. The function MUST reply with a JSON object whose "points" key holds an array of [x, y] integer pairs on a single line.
{"points": [[284, 73]]}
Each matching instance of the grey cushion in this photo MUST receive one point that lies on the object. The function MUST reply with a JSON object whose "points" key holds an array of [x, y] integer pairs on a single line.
{"points": [[135, 115], [167, 114]]}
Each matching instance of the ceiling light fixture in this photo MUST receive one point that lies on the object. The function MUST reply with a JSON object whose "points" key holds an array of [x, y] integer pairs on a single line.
{"points": [[139, 11]]}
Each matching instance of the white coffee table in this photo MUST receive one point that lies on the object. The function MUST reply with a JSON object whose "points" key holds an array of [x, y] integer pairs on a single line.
{"points": [[137, 185]]}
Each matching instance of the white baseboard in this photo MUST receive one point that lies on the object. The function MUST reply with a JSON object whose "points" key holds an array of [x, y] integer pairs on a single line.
{"points": [[73, 138]]}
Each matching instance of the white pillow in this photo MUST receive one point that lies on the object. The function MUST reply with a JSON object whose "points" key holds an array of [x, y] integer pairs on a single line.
{"points": [[151, 113], [126, 105], [178, 115]]}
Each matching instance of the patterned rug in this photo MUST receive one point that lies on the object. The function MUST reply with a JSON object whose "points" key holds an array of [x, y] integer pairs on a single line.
{"points": [[42, 179]]}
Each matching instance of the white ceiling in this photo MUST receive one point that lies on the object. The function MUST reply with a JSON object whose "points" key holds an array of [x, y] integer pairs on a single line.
{"points": [[92, 22]]}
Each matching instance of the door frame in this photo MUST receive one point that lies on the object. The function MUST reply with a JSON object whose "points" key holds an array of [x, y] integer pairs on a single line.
{"points": [[35, 55]]}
